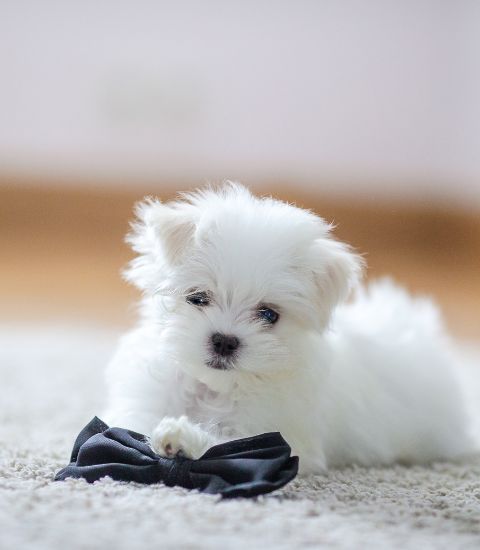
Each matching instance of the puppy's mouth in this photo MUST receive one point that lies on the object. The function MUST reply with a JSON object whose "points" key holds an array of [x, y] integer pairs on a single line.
{"points": [[220, 363]]}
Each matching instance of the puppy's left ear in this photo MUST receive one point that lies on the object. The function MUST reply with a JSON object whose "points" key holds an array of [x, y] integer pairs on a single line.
{"points": [[336, 271]]}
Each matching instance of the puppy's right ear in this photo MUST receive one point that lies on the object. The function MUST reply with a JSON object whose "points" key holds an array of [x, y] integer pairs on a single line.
{"points": [[160, 235]]}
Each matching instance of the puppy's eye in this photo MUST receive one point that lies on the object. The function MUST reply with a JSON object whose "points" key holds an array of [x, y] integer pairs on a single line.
{"points": [[199, 299], [268, 315]]}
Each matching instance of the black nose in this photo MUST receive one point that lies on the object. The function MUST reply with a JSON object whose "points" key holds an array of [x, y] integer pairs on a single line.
{"points": [[224, 344]]}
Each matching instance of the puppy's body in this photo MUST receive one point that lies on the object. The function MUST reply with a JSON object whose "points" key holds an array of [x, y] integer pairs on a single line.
{"points": [[368, 382]]}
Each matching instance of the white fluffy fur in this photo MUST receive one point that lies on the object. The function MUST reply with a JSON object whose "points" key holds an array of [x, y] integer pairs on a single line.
{"points": [[369, 382]]}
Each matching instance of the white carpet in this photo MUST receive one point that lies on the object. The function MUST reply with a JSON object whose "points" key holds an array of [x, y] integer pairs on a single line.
{"points": [[51, 385]]}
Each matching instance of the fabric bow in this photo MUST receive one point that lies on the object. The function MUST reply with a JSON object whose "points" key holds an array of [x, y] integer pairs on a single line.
{"points": [[241, 468]]}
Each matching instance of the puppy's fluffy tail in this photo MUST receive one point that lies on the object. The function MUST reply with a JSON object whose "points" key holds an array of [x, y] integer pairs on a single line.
{"points": [[384, 307]]}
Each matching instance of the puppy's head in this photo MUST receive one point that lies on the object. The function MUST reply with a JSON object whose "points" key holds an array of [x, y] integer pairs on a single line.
{"points": [[237, 283]]}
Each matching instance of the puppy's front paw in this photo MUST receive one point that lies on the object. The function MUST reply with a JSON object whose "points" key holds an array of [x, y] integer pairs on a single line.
{"points": [[178, 436]]}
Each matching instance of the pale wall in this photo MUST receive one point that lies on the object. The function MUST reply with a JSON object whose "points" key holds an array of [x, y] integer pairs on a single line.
{"points": [[373, 96]]}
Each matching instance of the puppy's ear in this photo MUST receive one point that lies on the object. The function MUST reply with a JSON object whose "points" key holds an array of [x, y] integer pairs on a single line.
{"points": [[336, 270], [161, 235]]}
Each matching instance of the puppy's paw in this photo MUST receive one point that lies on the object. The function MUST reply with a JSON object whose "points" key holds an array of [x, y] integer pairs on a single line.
{"points": [[178, 436]]}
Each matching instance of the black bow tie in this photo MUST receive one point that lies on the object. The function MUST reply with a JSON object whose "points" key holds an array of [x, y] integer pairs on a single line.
{"points": [[241, 468]]}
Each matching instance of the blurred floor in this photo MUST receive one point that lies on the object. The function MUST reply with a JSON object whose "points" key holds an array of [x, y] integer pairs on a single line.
{"points": [[62, 250]]}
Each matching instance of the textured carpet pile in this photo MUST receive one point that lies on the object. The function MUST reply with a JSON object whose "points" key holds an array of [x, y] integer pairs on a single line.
{"points": [[51, 385]]}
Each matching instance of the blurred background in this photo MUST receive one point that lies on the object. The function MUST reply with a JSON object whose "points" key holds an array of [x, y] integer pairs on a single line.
{"points": [[366, 112]]}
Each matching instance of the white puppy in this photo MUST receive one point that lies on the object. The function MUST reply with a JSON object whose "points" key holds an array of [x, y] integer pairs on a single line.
{"points": [[244, 329]]}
